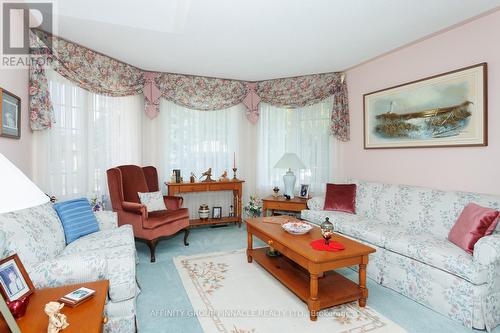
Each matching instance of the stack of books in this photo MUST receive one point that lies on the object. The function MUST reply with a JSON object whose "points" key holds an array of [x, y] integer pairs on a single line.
{"points": [[77, 297]]}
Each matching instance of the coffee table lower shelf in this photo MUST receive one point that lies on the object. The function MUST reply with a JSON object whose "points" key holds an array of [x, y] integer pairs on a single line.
{"points": [[333, 288]]}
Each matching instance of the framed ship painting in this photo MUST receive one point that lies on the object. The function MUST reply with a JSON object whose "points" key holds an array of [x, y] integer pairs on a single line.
{"points": [[445, 110], [10, 115]]}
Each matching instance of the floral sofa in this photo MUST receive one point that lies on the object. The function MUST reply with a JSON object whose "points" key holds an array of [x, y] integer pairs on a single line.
{"points": [[409, 226], [37, 236]]}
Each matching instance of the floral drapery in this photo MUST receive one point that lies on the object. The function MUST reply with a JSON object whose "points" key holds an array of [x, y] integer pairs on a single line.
{"points": [[306, 90], [199, 92], [101, 74]]}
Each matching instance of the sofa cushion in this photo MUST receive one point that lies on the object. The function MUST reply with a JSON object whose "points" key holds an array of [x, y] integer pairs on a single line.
{"points": [[122, 236], [473, 223], [417, 208], [121, 268], [439, 253], [117, 247], [370, 231], [159, 218], [341, 197], [2, 244], [77, 218]]}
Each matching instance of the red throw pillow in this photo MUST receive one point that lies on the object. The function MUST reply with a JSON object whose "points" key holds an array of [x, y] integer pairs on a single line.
{"points": [[341, 197], [473, 223]]}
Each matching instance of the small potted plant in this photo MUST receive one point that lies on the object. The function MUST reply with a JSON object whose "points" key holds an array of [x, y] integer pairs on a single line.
{"points": [[254, 207]]}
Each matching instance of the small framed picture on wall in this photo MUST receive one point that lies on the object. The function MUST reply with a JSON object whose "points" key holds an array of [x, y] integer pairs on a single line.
{"points": [[10, 115], [304, 191]]}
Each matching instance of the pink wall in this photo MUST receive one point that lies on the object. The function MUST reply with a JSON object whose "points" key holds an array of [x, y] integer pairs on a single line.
{"points": [[470, 169], [18, 151]]}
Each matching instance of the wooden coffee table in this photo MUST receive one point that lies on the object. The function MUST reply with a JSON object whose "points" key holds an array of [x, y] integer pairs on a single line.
{"points": [[300, 266]]}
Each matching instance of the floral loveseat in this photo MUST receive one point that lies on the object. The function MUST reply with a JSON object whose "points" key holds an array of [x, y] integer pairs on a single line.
{"points": [[409, 227], [37, 236]]}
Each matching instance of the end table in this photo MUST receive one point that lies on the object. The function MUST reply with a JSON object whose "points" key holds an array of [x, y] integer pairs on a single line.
{"points": [[280, 203], [87, 317]]}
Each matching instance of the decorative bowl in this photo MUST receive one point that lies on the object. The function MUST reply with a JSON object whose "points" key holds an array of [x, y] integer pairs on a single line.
{"points": [[297, 227]]}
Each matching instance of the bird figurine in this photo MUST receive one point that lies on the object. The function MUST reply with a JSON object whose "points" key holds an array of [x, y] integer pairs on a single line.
{"points": [[192, 178], [223, 177], [208, 175]]}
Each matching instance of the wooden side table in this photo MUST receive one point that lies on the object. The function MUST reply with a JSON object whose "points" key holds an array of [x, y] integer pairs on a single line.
{"points": [[87, 317], [280, 203], [236, 186]]}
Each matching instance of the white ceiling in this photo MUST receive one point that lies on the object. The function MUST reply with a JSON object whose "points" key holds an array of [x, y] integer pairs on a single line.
{"points": [[255, 39]]}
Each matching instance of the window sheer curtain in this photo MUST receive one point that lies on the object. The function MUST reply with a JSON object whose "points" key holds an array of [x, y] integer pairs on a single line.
{"points": [[92, 133], [193, 141], [304, 131]]}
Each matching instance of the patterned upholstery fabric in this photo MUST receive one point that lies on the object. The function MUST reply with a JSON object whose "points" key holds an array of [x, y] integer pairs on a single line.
{"points": [[36, 235], [107, 220], [409, 226]]}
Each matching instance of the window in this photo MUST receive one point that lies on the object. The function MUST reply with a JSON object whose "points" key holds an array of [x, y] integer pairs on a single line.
{"points": [[304, 131], [92, 133], [194, 141]]}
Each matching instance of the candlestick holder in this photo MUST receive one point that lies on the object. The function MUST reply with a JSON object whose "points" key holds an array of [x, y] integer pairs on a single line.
{"points": [[234, 174]]}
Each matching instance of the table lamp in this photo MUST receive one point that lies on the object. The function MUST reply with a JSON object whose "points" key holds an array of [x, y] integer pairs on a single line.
{"points": [[289, 161], [17, 192]]}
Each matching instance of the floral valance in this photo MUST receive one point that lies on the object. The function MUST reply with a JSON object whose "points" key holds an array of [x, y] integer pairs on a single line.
{"points": [[101, 74]]}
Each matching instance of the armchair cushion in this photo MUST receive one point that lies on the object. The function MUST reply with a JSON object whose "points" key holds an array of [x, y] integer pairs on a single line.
{"points": [[159, 218], [77, 218], [152, 200]]}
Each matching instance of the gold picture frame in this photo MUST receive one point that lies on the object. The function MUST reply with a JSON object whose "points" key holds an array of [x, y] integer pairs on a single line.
{"points": [[444, 110]]}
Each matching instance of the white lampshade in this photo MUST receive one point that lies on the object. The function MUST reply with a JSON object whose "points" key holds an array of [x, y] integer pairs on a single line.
{"points": [[290, 161], [17, 191]]}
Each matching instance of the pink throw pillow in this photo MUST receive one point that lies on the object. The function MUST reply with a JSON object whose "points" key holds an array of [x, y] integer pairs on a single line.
{"points": [[473, 223], [341, 197]]}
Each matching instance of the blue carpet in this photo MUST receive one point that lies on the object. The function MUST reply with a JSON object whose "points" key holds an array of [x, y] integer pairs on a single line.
{"points": [[163, 305]]}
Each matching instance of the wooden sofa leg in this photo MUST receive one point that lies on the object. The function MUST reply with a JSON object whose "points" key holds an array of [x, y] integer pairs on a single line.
{"points": [[152, 247], [186, 234]]}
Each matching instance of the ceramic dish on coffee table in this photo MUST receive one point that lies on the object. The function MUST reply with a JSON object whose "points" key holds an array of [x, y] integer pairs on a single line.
{"points": [[297, 227]]}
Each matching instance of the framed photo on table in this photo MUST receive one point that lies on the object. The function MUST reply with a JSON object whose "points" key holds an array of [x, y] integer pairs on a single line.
{"points": [[10, 115], [304, 191], [14, 281], [217, 212]]}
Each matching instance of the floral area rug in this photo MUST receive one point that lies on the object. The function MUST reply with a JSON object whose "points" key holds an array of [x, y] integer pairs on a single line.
{"points": [[232, 296]]}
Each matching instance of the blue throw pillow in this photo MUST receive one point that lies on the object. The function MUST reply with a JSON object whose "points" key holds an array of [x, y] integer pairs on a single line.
{"points": [[77, 218]]}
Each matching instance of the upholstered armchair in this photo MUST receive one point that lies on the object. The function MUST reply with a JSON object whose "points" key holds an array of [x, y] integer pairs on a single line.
{"points": [[124, 183]]}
